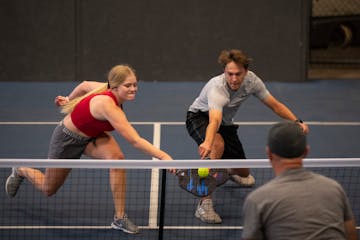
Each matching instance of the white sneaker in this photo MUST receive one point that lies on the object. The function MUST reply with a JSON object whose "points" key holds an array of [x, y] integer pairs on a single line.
{"points": [[248, 181], [206, 213]]}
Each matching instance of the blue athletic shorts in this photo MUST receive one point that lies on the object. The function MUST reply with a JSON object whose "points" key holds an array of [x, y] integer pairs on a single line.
{"points": [[196, 124]]}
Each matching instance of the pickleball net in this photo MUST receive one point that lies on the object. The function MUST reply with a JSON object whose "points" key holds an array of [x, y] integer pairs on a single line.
{"points": [[83, 207]]}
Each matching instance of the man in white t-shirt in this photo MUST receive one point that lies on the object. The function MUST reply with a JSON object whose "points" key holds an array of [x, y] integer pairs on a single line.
{"points": [[209, 119]]}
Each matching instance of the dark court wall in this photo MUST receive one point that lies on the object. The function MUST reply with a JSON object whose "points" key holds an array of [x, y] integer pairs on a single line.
{"points": [[163, 40]]}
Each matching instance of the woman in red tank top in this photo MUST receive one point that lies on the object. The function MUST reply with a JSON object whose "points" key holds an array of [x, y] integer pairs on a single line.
{"points": [[92, 109]]}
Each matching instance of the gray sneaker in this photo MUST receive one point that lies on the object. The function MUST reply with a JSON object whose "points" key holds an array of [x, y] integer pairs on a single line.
{"points": [[13, 183], [248, 181], [206, 213], [125, 224]]}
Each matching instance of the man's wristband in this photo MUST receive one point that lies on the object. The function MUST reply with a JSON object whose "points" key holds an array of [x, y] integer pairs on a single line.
{"points": [[299, 120]]}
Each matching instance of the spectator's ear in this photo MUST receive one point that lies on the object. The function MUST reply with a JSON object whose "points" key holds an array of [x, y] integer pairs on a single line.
{"points": [[268, 153], [306, 152]]}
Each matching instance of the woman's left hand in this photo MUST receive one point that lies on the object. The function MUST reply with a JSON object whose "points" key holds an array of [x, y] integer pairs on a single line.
{"points": [[61, 100]]}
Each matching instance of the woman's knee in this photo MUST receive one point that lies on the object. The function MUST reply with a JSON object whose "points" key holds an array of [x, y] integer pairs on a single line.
{"points": [[53, 180], [105, 147], [48, 191]]}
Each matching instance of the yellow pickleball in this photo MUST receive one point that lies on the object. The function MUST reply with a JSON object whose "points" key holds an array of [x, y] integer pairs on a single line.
{"points": [[203, 172]]}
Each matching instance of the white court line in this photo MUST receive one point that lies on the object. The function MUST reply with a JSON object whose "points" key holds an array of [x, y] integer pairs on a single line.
{"points": [[141, 227], [254, 123], [29, 123], [264, 123]]}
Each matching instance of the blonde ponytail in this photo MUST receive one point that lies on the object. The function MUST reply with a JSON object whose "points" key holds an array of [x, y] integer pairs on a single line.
{"points": [[69, 107]]}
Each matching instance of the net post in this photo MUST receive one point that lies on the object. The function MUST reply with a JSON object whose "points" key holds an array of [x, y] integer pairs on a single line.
{"points": [[154, 186], [162, 204]]}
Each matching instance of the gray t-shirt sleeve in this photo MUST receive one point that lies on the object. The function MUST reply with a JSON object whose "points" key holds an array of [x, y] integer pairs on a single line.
{"points": [[348, 214], [258, 87]]}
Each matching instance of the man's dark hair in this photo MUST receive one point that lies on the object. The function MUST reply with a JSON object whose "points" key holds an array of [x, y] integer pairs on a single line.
{"points": [[287, 139], [233, 55]]}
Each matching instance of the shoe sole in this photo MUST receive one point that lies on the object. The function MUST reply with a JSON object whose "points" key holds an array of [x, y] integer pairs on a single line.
{"points": [[243, 185], [6, 187], [204, 220], [123, 229]]}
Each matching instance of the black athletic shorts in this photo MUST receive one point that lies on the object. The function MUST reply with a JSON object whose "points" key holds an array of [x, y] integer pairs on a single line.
{"points": [[196, 124]]}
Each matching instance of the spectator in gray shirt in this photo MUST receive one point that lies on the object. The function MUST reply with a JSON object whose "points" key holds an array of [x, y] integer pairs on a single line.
{"points": [[297, 203]]}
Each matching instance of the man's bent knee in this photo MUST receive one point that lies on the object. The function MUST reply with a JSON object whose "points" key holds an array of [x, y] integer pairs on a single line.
{"points": [[242, 172]]}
